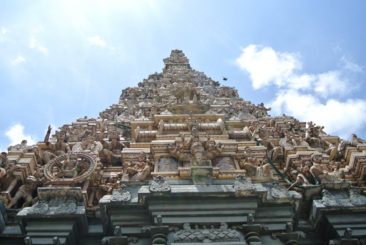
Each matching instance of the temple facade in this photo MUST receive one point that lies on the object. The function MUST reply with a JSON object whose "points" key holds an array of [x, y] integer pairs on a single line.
{"points": [[182, 160]]}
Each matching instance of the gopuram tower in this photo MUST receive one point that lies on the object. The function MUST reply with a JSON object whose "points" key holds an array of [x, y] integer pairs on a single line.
{"points": [[181, 160]]}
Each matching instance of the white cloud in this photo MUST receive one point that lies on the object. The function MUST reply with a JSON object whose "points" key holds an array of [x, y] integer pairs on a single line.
{"points": [[35, 44], [97, 41], [331, 83], [349, 65], [18, 60], [16, 135], [297, 91], [339, 118], [266, 65]]}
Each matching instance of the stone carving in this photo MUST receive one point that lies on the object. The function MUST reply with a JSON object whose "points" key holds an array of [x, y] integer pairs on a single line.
{"points": [[257, 168], [346, 198], [121, 195], [159, 184], [3, 164], [25, 191], [138, 168], [278, 191], [111, 150], [57, 201], [74, 168], [206, 234], [88, 145], [194, 149], [19, 147], [61, 147], [190, 127]]}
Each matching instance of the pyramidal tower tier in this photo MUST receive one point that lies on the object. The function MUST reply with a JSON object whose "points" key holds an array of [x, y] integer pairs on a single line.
{"points": [[182, 160]]}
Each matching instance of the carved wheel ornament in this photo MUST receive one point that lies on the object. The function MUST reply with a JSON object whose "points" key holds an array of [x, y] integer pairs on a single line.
{"points": [[58, 170]]}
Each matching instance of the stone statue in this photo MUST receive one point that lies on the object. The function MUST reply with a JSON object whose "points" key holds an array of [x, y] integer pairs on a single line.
{"points": [[137, 169], [19, 147], [355, 140], [111, 150], [257, 168], [194, 149], [25, 191], [47, 150], [88, 145], [61, 147], [69, 168]]}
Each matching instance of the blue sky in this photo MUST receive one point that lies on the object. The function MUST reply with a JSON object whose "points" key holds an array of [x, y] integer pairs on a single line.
{"points": [[61, 60]]}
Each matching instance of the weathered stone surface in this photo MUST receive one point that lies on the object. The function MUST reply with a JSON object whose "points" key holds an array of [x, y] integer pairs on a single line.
{"points": [[56, 201]]}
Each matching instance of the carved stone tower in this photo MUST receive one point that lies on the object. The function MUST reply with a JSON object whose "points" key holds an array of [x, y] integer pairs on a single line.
{"points": [[182, 160]]}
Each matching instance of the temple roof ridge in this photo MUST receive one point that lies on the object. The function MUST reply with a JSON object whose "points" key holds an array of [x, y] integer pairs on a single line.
{"points": [[176, 58]]}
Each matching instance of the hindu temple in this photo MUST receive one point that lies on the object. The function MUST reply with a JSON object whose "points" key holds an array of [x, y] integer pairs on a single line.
{"points": [[183, 160]]}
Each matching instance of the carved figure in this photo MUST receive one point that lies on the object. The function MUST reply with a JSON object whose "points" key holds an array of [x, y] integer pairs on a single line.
{"points": [[257, 168], [88, 145], [138, 169], [355, 140], [69, 168], [61, 147], [3, 164], [111, 150], [25, 191], [47, 150]]}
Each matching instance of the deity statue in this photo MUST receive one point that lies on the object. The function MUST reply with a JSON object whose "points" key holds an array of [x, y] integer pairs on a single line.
{"points": [[47, 150], [194, 149], [25, 191], [69, 168], [111, 150], [61, 147], [88, 145], [325, 172], [137, 169], [212, 149]]}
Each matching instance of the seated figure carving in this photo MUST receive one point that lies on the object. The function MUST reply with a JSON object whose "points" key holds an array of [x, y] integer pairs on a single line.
{"points": [[50, 151], [194, 149], [88, 145], [137, 169], [111, 150]]}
